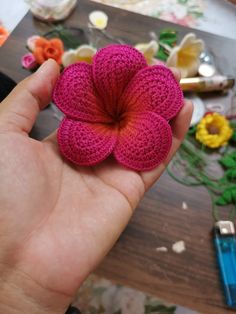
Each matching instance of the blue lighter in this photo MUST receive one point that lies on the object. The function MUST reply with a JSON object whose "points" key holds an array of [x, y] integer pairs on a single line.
{"points": [[225, 243]]}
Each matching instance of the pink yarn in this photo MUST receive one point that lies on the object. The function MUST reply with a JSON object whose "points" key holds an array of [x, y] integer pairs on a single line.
{"points": [[118, 105]]}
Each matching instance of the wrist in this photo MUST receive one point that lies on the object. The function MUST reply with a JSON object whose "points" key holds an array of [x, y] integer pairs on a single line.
{"points": [[19, 294]]}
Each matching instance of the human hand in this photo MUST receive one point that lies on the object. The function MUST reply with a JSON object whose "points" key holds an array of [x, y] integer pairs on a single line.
{"points": [[57, 220]]}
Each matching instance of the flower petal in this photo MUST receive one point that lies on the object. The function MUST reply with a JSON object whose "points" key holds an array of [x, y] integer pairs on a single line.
{"points": [[69, 57], [187, 40], [191, 39], [144, 142], [154, 89], [57, 43], [38, 54], [41, 42], [85, 53], [98, 19], [190, 71], [113, 68], [149, 50], [173, 57], [85, 143], [75, 94], [31, 42]]}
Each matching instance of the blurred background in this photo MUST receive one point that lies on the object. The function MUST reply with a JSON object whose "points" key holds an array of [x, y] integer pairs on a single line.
{"points": [[207, 15]]}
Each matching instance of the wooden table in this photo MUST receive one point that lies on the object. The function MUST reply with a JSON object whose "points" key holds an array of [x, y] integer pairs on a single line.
{"points": [[190, 278]]}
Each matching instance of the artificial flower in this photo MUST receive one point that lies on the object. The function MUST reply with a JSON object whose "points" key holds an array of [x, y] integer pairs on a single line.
{"points": [[31, 41], [83, 53], [214, 130], [3, 35], [48, 48], [149, 50], [117, 105], [185, 57], [28, 61], [98, 19]]}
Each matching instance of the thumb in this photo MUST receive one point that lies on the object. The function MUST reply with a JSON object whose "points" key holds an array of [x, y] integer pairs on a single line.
{"points": [[19, 109]]}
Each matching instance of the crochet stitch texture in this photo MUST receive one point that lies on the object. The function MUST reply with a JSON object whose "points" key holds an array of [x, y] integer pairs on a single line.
{"points": [[118, 105]]}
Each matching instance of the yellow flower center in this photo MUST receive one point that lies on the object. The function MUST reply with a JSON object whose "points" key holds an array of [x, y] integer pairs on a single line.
{"points": [[87, 59], [100, 22], [186, 57], [214, 130]]}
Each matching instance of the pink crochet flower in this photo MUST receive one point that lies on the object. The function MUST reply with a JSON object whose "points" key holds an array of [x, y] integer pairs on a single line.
{"points": [[118, 105], [28, 61]]}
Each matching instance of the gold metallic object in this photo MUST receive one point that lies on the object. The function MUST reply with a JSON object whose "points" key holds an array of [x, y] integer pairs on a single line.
{"points": [[207, 84]]}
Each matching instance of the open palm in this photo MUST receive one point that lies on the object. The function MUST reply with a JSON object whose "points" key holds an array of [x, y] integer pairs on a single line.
{"points": [[58, 220]]}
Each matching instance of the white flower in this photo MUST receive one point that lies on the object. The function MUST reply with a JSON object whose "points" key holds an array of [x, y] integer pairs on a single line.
{"points": [[149, 50], [127, 300], [131, 301], [98, 19], [185, 57], [83, 53], [31, 42]]}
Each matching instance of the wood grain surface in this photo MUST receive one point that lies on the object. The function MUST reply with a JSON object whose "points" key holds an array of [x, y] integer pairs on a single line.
{"points": [[190, 278]]}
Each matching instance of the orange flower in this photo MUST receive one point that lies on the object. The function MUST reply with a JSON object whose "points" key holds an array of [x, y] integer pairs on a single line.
{"points": [[3, 35], [48, 48]]}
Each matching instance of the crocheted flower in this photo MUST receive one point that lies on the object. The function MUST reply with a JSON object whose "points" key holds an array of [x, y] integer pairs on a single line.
{"points": [[185, 57], [98, 19], [149, 50], [119, 106], [48, 48], [3, 35], [214, 130], [31, 41], [83, 53], [28, 61]]}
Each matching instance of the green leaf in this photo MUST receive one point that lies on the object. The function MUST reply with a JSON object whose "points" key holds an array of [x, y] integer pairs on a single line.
{"points": [[161, 54], [220, 201], [227, 195], [233, 154], [231, 173], [233, 193], [192, 130], [233, 138], [71, 37], [232, 124], [228, 162], [225, 199], [168, 36]]}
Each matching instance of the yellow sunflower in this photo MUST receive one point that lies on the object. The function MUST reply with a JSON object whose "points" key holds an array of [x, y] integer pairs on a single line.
{"points": [[214, 130]]}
